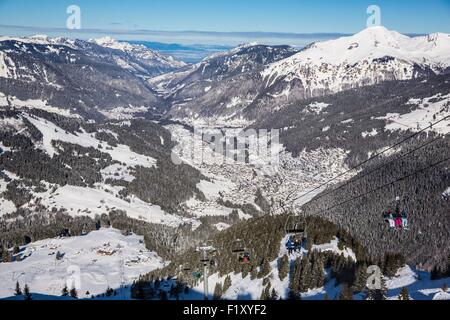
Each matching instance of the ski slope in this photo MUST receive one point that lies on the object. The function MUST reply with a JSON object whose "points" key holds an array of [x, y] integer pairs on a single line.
{"points": [[90, 263], [419, 284], [121, 153]]}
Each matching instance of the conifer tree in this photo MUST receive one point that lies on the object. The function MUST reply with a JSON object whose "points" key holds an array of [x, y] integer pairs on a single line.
{"points": [[273, 295], [292, 295], [317, 270], [26, 291], [265, 269], [265, 295], [18, 291], [392, 262], [360, 278], [227, 283], [378, 294], [346, 292], [109, 292], [306, 276], [5, 255], [244, 272], [254, 274], [404, 294], [177, 290], [341, 244], [163, 295], [65, 291], [283, 267], [73, 293], [295, 276], [217, 291]]}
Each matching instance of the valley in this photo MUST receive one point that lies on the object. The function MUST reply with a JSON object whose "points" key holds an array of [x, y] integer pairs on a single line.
{"points": [[89, 131]]}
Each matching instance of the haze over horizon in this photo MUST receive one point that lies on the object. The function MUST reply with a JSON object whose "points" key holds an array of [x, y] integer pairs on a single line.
{"points": [[192, 30]]}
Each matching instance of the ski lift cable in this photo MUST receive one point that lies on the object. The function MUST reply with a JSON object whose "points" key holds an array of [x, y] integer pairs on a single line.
{"points": [[351, 180], [384, 185], [370, 159]]}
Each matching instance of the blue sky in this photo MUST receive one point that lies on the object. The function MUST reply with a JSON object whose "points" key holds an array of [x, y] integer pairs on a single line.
{"points": [[282, 16]]}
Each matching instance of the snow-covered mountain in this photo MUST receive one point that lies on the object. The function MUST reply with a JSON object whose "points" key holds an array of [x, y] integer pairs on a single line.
{"points": [[138, 59], [221, 84], [336, 104], [369, 57], [150, 60], [92, 80]]}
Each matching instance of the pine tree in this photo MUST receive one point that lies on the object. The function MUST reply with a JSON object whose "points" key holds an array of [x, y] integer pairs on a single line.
{"points": [[73, 293], [378, 294], [307, 280], [137, 290], [5, 255], [265, 294], [254, 274], [65, 291], [109, 292], [244, 272], [227, 283], [392, 262], [360, 278], [341, 244], [18, 291], [273, 295], [283, 267], [26, 291], [346, 292], [177, 290], [445, 287], [217, 291], [404, 294], [265, 269], [295, 276], [163, 295], [317, 270], [292, 295]]}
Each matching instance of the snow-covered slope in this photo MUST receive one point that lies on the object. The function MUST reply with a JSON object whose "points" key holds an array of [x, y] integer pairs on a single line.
{"points": [[150, 57], [62, 73], [221, 84], [370, 56], [79, 197], [418, 283], [251, 80], [93, 262], [136, 58], [427, 111]]}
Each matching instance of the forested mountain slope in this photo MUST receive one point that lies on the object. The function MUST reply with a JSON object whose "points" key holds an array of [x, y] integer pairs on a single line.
{"points": [[97, 80], [395, 120]]}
